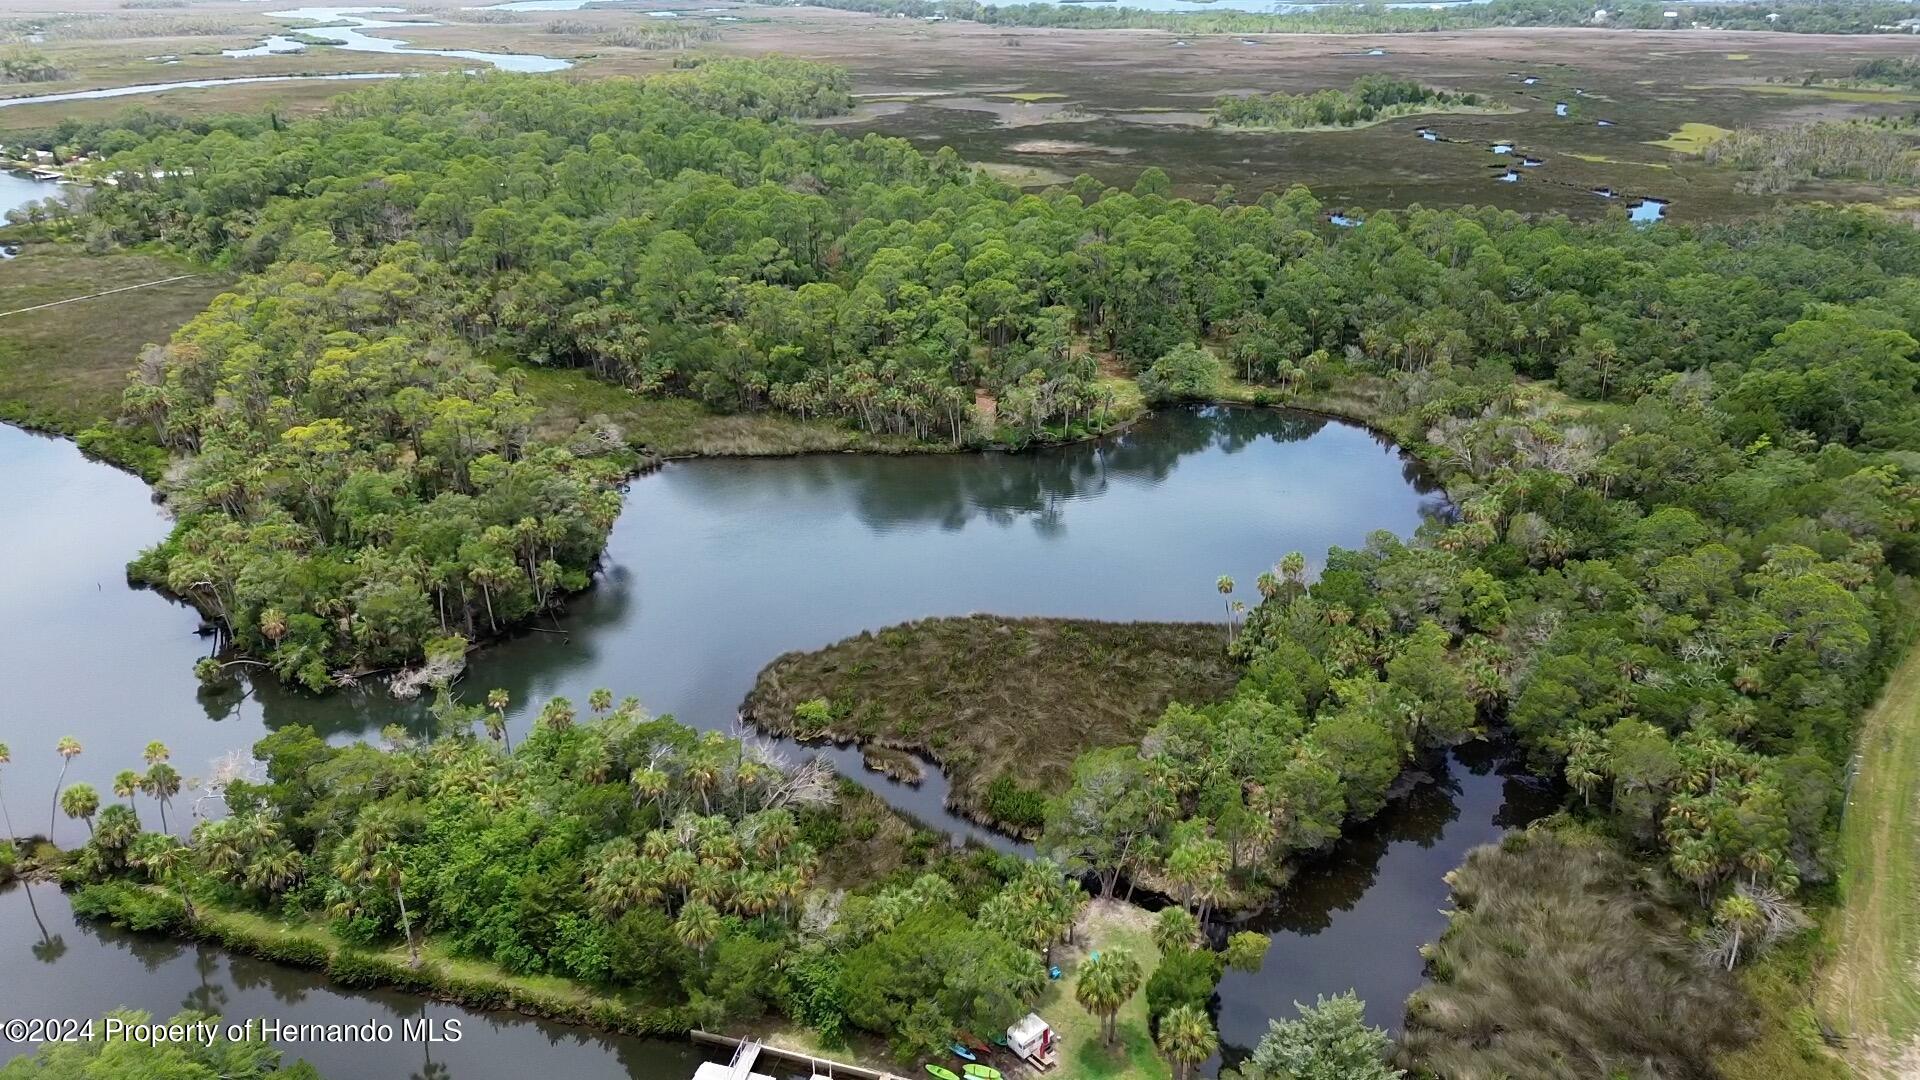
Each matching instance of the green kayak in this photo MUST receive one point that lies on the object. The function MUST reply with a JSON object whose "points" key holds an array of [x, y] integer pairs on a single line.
{"points": [[982, 1072], [942, 1072]]}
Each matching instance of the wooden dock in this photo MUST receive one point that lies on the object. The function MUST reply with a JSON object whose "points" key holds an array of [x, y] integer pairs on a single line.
{"points": [[821, 1066]]}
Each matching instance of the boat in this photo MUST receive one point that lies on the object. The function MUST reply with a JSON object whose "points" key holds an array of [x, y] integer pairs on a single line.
{"points": [[962, 1052], [941, 1072], [982, 1072]]}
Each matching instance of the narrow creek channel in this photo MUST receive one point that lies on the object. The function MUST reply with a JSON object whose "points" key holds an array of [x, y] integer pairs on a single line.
{"points": [[715, 568]]}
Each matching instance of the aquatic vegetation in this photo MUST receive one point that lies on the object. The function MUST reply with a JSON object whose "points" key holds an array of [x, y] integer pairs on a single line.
{"points": [[1691, 138]]}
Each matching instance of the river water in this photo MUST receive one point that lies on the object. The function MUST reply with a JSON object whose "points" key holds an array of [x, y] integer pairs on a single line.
{"points": [[185, 84], [342, 29], [715, 568]]}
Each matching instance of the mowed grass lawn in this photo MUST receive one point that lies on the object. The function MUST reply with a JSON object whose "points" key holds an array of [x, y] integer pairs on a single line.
{"points": [[1872, 990], [63, 368], [1106, 925]]}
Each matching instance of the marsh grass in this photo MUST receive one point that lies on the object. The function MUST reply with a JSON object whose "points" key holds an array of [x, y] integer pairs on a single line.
{"points": [[62, 369], [1565, 961], [1005, 705]]}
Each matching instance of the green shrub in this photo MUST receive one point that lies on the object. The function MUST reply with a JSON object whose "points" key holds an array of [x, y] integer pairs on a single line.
{"points": [[351, 967], [1186, 373], [1184, 977], [1010, 804], [131, 907]]}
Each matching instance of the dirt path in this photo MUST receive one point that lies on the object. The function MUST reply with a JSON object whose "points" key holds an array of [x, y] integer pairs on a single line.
{"points": [[95, 296], [1873, 988]]}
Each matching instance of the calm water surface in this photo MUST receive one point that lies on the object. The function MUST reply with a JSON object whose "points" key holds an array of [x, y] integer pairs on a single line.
{"points": [[185, 84], [19, 189], [342, 30], [57, 966], [714, 569]]}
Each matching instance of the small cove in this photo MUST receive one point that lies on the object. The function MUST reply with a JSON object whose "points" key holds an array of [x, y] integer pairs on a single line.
{"points": [[716, 567]]}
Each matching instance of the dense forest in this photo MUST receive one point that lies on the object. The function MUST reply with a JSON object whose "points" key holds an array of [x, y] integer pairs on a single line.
{"points": [[676, 873], [1375, 97], [1795, 16], [1683, 460]]}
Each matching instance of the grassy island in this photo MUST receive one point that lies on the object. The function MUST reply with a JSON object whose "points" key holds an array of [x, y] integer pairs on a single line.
{"points": [[1004, 705]]}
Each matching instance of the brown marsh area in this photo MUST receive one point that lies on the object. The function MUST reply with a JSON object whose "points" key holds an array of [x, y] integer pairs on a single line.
{"points": [[1041, 104]]}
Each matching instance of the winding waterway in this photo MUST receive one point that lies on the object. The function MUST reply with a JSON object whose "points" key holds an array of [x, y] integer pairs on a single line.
{"points": [[342, 29], [716, 567]]}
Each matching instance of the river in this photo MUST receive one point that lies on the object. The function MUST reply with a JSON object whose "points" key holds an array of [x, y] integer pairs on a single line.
{"points": [[341, 29], [186, 84], [714, 568]]}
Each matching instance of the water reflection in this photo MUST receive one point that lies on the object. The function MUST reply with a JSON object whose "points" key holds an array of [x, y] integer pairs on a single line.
{"points": [[715, 568], [100, 968], [1356, 919]]}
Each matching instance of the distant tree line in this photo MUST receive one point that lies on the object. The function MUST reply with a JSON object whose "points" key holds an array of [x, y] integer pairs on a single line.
{"points": [[1794, 16]]}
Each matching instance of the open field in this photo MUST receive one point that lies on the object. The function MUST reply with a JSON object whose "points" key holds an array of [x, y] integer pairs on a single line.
{"points": [[63, 368], [997, 699], [1872, 990], [1104, 926]]}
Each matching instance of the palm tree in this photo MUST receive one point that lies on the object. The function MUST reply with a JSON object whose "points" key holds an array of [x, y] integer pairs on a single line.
{"points": [[1107, 983], [1293, 568], [648, 785], [1187, 1038], [1175, 928], [1225, 585], [698, 926], [166, 862], [220, 849], [600, 701], [770, 831], [6, 756], [558, 714], [68, 748], [496, 719], [118, 829], [680, 866], [275, 869], [273, 624], [163, 783], [1739, 914], [81, 801], [126, 784], [371, 856], [156, 752]]}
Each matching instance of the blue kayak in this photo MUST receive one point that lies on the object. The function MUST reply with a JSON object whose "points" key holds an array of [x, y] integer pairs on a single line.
{"points": [[962, 1052]]}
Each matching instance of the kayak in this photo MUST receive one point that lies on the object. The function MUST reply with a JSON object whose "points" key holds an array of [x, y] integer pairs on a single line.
{"points": [[982, 1072], [942, 1073], [961, 1052]]}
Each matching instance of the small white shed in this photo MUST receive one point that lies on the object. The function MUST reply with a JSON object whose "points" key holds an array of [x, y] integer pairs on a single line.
{"points": [[1031, 1039]]}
